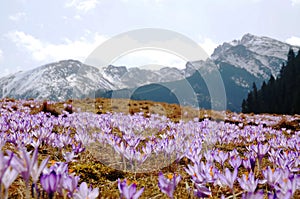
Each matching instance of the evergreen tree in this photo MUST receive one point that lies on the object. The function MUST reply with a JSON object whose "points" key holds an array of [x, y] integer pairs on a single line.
{"points": [[255, 98], [280, 95], [244, 106], [291, 55]]}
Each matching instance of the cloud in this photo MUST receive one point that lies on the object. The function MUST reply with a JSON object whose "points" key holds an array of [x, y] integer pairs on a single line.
{"points": [[146, 58], [43, 51], [294, 41], [1, 55], [295, 2], [18, 16], [82, 5], [208, 45]]}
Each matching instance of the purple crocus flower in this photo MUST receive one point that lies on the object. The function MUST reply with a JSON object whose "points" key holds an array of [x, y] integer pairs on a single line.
{"points": [[229, 177], [69, 156], [221, 157], [209, 156], [235, 161], [257, 195], [272, 176], [249, 163], [194, 154], [202, 173], [279, 194], [248, 182], [128, 191], [78, 148], [9, 176], [168, 185], [261, 150], [234, 152], [70, 183], [283, 161], [25, 163], [5, 162], [50, 182], [273, 154], [36, 170], [86, 193], [290, 184], [202, 191]]}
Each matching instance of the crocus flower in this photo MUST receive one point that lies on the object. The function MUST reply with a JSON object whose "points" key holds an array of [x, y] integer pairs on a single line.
{"points": [[221, 157], [290, 184], [248, 182], [273, 154], [69, 156], [272, 176], [202, 173], [235, 161], [261, 150], [283, 161], [86, 193], [36, 170], [61, 170], [5, 162], [50, 183], [257, 195], [78, 148], [279, 194], [25, 164], [249, 163], [194, 154], [9, 177], [129, 191], [234, 152], [70, 183], [168, 185], [202, 191], [228, 178]]}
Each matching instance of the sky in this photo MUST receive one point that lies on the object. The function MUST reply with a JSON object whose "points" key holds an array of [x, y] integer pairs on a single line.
{"points": [[34, 32]]}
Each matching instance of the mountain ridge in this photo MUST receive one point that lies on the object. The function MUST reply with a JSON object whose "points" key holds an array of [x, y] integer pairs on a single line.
{"points": [[240, 62]]}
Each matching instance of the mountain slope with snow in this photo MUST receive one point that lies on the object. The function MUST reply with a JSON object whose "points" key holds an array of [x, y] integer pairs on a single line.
{"points": [[56, 81], [240, 63], [260, 56]]}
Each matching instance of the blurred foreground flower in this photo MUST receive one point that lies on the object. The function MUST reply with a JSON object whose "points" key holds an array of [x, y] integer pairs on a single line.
{"points": [[129, 191], [228, 178], [50, 183], [86, 193], [168, 185]]}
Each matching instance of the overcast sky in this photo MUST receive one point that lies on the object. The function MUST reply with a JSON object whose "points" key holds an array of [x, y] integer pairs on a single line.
{"points": [[35, 32]]}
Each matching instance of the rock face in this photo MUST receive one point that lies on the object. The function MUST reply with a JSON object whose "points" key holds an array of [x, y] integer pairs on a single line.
{"points": [[240, 63]]}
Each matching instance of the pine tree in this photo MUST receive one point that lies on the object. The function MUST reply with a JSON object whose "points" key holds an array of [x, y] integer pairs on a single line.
{"points": [[280, 95], [244, 106], [255, 98], [291, 55]]}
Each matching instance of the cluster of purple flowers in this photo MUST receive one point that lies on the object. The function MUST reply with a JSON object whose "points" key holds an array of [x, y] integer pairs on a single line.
{"points": [[142, 144]]}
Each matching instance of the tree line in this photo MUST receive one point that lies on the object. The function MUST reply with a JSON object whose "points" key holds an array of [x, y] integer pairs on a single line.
{"points": [[280, 95]]}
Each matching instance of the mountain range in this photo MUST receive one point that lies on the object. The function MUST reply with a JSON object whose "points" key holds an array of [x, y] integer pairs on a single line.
{"points": [[239, 62]]}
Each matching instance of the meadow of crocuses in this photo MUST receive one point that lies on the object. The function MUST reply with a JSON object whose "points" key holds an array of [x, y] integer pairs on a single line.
{"points": [[117, 155]]}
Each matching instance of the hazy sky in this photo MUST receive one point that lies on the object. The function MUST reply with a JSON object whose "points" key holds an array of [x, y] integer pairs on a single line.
{"points": [[35, 32]]}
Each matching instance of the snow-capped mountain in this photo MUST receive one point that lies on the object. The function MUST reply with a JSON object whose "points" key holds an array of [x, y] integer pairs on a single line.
{"points": [[135, 77], [260, 56], [240, 63], [72, 79], [56, 81]]}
